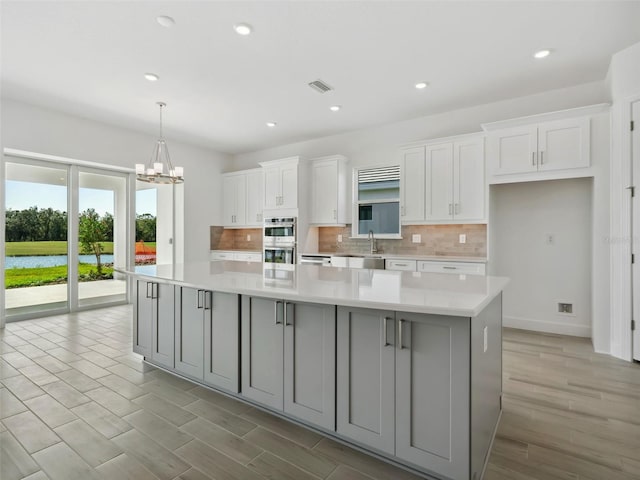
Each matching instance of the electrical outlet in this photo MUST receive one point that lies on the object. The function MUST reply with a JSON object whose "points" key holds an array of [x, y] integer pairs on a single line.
{"points": [[340, 238], [416, 238], [463, 238], [565, 307], [248, 238]]}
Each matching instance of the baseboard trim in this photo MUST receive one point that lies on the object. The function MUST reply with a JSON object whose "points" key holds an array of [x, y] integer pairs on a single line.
{"points": [[546, 326]]}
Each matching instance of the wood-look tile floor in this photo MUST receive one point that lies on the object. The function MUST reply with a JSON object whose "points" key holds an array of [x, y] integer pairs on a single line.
{"points": [[75, 403]]}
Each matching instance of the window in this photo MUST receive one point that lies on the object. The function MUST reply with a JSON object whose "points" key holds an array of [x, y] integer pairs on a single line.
{"points": [[377, 201]]}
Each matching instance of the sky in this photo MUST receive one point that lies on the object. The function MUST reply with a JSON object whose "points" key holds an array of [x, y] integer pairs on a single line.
{"points": [[23, 195]]}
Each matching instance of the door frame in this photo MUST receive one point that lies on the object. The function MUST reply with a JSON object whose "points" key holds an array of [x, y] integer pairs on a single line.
{"points": [[634, 162]]}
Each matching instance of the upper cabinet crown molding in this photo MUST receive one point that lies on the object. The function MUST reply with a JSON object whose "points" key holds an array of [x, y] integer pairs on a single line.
{"points": [[547, 117], [281, 161], [330, 194]]}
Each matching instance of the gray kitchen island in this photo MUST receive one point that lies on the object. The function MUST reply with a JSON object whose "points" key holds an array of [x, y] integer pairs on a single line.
{"points": [[406, 366]]}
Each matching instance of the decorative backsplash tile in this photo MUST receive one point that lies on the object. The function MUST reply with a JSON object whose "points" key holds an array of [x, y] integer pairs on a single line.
{"points": [[436, 240], [236, 239]]}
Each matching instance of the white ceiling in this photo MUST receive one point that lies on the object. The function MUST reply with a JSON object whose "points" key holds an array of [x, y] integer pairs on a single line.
{"points": [[88, 58]]}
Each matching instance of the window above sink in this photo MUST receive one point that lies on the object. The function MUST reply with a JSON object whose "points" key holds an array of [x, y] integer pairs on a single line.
{"points": [[376, 202]]}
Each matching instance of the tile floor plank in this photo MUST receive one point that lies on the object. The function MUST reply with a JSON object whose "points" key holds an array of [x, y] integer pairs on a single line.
{"points": [[15, 461], [94, 448], [124, 467], [101, 419], [50, 411], [30, 431], [161, 431], [60, 462]]}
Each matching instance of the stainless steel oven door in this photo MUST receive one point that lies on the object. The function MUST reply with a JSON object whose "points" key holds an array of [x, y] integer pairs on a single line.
{"points": [[280, 255]]}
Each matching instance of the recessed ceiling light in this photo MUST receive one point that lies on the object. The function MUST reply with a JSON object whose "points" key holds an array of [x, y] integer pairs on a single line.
{"points": [[542, 53], [152, 77], [271, 124], [165, 21], [243, 28], [335, 108], [421, 85]]}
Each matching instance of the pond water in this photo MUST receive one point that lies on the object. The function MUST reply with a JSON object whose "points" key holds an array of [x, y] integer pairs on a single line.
{"points": [[51, 260]]}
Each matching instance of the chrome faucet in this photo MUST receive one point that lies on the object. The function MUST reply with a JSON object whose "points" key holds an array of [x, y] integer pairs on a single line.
{"points": [[372, 241]]}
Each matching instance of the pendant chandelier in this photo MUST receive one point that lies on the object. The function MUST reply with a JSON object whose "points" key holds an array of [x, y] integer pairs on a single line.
{"points": [[160, 169]]}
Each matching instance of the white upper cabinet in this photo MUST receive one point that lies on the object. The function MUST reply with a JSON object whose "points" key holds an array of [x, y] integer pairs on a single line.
{"points": [[546, 146], [234, 191], [444, 182], [281, 184], [255, 197], [329, 191]]}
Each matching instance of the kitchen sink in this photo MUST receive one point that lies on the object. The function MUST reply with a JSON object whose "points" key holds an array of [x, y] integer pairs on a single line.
{"points": [[348, 260]]}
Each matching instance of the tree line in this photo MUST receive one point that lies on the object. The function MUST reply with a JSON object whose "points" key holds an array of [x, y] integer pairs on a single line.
{"points": [[45, 224]]}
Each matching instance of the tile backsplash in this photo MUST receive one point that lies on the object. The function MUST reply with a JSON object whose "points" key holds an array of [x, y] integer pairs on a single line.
{"points": [[236, 239], [436, 240]]}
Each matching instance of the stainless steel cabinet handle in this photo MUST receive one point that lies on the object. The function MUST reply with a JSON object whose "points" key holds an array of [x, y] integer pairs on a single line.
{"points": [[533, 158], [286, 314], [335, 214], [400, 324], [208, 300], [385, 341], [450, 268], [457, 209], [199, 299], [277, 303], [148, 285], [154, 290], [541, 158], [450, 209], [401, 264]]}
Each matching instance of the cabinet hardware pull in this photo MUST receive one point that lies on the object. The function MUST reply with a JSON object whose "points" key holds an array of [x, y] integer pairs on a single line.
{"points": [[400, 323], [208, 300], [286, 315], [335, 215], [541, 158], [276, 308], [450, 268], [199, 299], [385, 341], [154, 290], [533, 158], [401, 265], [402, 211], [148, 285], [450, 209], [457, 208]]}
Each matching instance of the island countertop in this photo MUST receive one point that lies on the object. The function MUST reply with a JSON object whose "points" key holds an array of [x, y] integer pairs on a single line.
{"points": [[418, 292]]}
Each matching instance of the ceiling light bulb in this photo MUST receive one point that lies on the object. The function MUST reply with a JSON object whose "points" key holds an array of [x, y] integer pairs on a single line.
{"points": [[421, 85], [165, 21], [242, 28], [542, 53], [335, 108], [152, 77], [271, 124]]}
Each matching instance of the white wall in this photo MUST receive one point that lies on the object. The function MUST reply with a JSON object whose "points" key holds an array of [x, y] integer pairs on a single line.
{"points": [[34, 129], [544, 273], [379, 145], [623, 80]]}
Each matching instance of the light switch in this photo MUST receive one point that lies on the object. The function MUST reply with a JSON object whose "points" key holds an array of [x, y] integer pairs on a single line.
{"points": [[463, 238], [340, 238], [248, 238], [416, 238]]}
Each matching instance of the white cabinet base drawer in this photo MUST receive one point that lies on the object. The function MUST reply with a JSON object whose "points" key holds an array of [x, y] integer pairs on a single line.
{"points": [[452, 267], [237, 256], [396, 264]]}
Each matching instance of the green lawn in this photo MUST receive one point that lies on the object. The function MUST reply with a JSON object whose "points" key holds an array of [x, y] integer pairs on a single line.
{"points": [[32, 277], [21, 249]]}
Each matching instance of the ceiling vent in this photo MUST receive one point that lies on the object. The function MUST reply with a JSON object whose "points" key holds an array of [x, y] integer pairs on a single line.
{"points": [[320, 87]]}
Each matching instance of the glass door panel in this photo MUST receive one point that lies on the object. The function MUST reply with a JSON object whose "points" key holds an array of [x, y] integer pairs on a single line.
{"points": [[102, 237], [36, 248], [154, 226]]}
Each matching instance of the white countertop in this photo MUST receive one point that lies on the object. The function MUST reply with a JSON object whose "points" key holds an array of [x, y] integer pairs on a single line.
{"points": [[399, 256], [435, 293]]}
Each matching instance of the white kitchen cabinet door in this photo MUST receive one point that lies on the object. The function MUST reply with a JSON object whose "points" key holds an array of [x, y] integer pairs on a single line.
{"points": [[412, 184], [262, 351], [310, 362], [221, 341], [439, 182], [468, 180], [289, 186], [564, 144], [189, 336], [234, 189], [271, 187], [163, 326], [432, 393], [324, 192], [514, 150], [255, 198], [365, 386]]}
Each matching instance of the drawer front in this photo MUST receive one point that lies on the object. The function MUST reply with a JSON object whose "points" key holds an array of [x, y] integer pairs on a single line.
{"points": [[247, 257], [452, 267], [221, 255], [408, 265]]}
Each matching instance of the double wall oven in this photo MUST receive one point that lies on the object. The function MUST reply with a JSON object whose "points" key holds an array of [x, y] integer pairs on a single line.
{"points": [[279, 241]]}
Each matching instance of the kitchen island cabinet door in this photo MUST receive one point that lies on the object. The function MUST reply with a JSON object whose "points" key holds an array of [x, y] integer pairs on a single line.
{"points": [[190, 333], [221, 341], [432, 393], [365, 387], [142, 319], [163, 328], [262, 350], [310, 363]]}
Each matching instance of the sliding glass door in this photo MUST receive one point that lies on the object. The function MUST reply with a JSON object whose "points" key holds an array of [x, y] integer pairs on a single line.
{"points": [[36, 232]]}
